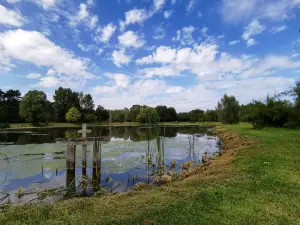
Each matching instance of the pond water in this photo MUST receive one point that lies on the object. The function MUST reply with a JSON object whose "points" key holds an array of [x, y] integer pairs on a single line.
{"points": [[31, 159]]}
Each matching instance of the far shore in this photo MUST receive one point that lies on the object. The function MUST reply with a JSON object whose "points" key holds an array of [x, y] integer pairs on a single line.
{"points": [[16, 126]]}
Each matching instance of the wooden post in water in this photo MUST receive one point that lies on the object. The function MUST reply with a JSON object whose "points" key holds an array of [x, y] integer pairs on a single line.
{"points": [[84, 132], [71, 156], [95, 155]]}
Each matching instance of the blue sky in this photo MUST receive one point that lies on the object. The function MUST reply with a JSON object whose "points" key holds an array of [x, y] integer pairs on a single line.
{"points": [[180, 53]]}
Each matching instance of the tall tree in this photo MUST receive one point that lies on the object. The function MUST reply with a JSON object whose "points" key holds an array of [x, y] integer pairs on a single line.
{"points": [[163, 113], [172, 114], [34, 107], [228, 109], [64, 99], [102, 114], [86, 102], [134, 112], [9, 106], [148, 115]]}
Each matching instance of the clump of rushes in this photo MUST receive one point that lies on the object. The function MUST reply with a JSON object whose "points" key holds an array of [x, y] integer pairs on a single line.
{"points": [[173, 164], [20, 192]]}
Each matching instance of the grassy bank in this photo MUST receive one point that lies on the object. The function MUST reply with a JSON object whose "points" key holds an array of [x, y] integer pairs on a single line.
{"points": [[53, 125], [255, 181]]}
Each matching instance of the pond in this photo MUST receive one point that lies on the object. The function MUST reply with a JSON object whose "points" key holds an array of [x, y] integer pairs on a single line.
{"points": [[31, 161]]}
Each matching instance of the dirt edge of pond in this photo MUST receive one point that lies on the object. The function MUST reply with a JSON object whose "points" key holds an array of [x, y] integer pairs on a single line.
{"points": [[120, 206]]}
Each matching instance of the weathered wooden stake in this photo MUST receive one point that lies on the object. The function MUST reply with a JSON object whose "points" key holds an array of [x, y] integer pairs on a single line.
{"points": [[71, 157], [95, 155], [84, 155]]}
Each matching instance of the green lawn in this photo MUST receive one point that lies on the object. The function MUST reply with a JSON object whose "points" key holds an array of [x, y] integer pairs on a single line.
{"points": [[255, 181]]}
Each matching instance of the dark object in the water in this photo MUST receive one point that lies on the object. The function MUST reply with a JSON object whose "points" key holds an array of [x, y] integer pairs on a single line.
{"points": [[59, 157], [59, 153], [34, 154]]}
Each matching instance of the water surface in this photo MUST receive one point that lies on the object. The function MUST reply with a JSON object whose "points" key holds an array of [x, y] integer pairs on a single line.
{"points": [[31, 158]]}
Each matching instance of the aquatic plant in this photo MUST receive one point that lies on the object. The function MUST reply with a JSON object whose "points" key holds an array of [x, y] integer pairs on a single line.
{"points": [[20, 192]]}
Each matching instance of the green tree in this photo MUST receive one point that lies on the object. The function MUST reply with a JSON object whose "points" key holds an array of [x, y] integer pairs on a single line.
{"points": [[196, 115], [86, 102], [64, 99], [89, 117], [34, 107], [211, 116], [9, 106], [148, 115], [102, 114], [134, 112], [228, 110], [172, 114], [163, 113], [73, 115]]}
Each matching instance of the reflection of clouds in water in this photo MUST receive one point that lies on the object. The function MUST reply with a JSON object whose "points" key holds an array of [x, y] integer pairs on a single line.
{"points": [[47, 173]]}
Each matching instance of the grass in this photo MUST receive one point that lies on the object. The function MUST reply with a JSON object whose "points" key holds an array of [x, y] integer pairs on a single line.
{"points": [[255, 181], [53, 124]]}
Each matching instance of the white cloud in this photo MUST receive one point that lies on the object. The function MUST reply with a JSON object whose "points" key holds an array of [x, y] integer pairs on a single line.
{"points": [[107, 32], [120, 58], [10, 17], [158, 4], [185, 36], [270, 64], [159, 33], [46, 3], [12, 1], [85, 48], [166, 71], [274, 10], [120, 80], [295, 55], [134, 16], [254, 28], [33, 76], [278, 29], [130, 39], [163, 54], [83, 16], [49, 82], [190, 7], [234, 42], [168, 13], [103, 90], [34, 47]]}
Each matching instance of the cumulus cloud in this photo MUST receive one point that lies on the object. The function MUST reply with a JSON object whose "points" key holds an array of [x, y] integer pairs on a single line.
{"points": [[236, 10], [34, 47], [119, 57], [33, 76], [185, 36], [234, 42], [278, 29], [131, 39], [159, 33], [253, 29], [158, 4], [168, 13], [49, 82], [134, 16], [107, 32], [205, 61], [190, 6], [84, 16], [10, 17]]}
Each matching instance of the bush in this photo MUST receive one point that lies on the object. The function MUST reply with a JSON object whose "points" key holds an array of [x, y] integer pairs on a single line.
{"points": [[73, 115], [90, 118], [148, 115]]}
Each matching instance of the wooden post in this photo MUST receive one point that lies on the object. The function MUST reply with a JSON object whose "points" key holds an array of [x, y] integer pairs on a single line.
{"points": [[71, 157], [95, 155], [84, 153], [84, 132]]}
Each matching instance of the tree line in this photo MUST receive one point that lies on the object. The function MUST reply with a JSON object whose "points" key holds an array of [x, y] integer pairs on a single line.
{"points": [[71, 106]]}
